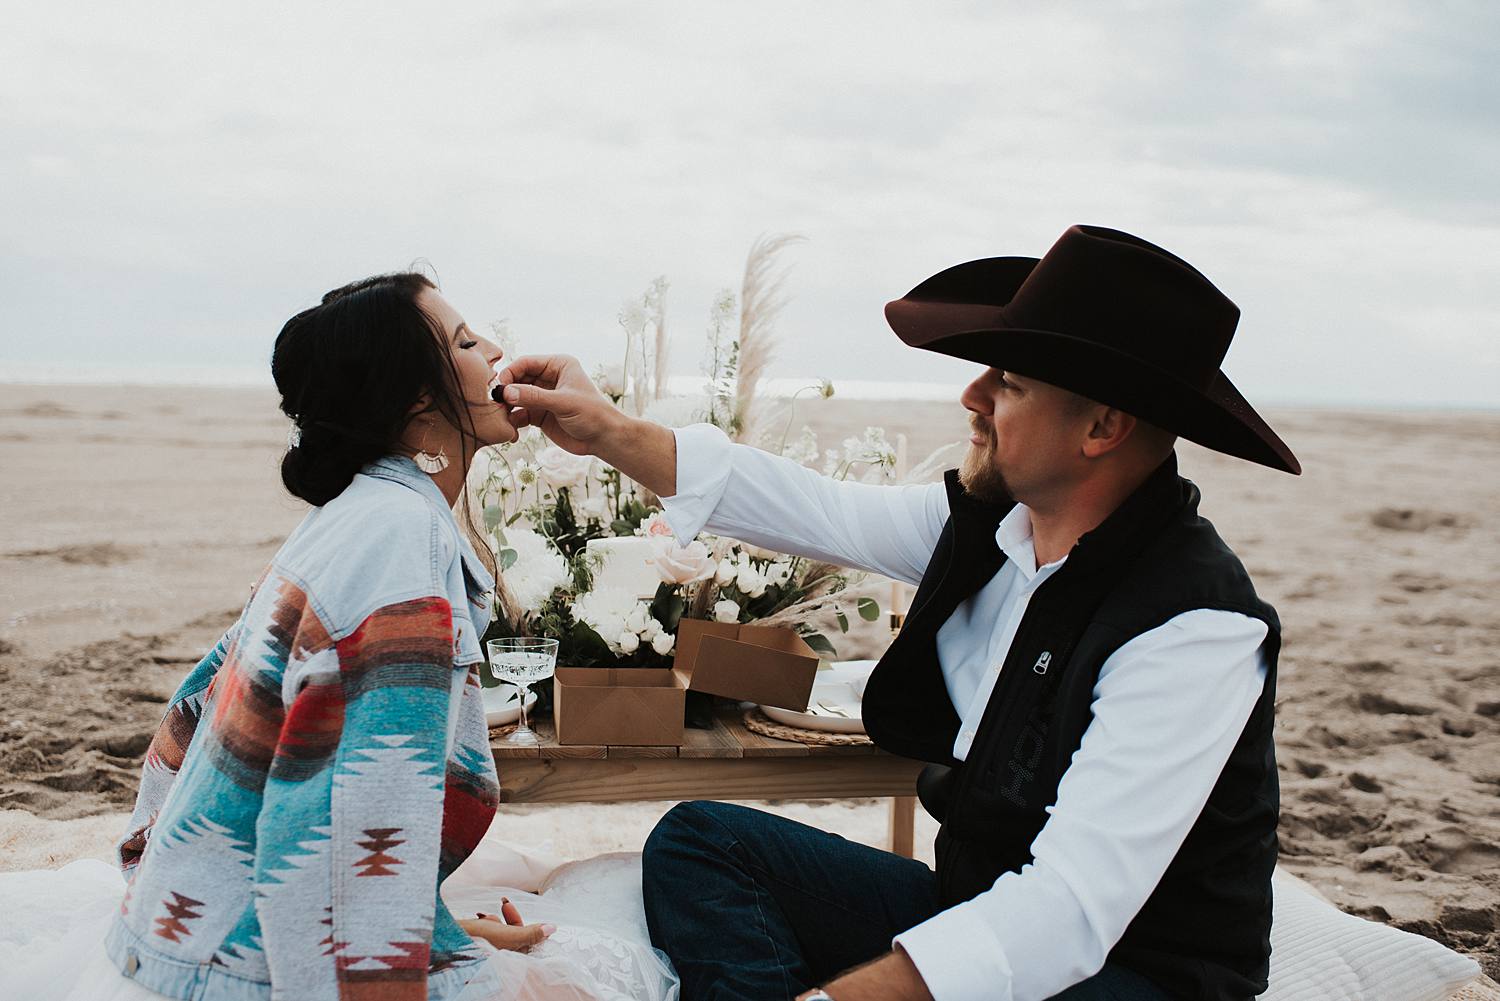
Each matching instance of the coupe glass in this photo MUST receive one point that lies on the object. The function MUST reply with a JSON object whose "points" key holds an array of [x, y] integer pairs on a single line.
{"points": [[523, 661]]}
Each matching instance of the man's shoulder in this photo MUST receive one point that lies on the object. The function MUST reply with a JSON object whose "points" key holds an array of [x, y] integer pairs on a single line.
{"points": [[1188, 566]]}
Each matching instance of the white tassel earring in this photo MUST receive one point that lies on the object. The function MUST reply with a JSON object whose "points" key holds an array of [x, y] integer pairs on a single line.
{"points": [[426, 461]]}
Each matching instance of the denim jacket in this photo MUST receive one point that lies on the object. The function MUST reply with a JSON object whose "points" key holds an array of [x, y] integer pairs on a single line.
{"points": [[322, 769]]}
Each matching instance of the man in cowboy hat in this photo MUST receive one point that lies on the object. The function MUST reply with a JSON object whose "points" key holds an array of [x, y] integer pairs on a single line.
{"points": [[1085, 663]]}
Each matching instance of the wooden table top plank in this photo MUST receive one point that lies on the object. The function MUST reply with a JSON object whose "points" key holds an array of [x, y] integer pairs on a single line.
{"points": [[728, 738], [715, 742], [504, 751], [625, 751], [635, 779]]}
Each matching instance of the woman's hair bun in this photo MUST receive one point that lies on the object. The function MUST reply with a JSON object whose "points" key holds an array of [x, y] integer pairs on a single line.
{"points": [[349, 370]]}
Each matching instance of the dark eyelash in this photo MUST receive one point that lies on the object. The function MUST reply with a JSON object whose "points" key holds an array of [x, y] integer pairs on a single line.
{"points": [[468, 344]]}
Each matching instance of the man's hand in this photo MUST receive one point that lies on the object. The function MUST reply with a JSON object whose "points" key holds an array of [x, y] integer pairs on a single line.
{"points": [[505, 930], [553, 393], [892, 977]]}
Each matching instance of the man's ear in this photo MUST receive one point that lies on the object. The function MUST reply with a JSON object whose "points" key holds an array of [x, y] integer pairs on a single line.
{"points": [[1108, 432]]}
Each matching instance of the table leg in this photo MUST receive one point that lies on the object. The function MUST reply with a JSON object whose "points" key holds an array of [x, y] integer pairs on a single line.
{"points": [[903, 823]]}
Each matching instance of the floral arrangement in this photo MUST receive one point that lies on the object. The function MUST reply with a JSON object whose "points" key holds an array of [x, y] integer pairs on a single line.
{"points": [[586, 555]]}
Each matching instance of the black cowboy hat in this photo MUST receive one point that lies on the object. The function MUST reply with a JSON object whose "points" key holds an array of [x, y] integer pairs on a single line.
{"points": [[1105, 315]]}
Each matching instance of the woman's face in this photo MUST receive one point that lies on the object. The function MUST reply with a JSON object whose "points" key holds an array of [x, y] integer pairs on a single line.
{"points": [[476, 359]]}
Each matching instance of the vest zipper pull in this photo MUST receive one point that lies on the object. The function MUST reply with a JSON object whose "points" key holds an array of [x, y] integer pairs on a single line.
{"points": [[1042, 662]]}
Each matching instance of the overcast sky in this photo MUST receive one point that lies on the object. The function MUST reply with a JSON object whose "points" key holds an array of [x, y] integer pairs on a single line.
{"points": [[176, 179]]}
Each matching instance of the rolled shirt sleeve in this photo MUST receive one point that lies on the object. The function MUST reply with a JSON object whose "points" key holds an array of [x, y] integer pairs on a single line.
{"points": [[1168, 708], [768, 500]]}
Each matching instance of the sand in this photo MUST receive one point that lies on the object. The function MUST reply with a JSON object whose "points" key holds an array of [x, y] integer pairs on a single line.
{"points": [[134, 520]]}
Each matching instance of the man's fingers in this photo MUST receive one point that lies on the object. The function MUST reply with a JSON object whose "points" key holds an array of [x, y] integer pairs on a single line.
{"points": [[542, 370], [528, 396], [524, 369]]}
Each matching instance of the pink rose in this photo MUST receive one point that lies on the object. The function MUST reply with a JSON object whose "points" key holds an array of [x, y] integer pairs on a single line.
{"points": [[680, 564], [656, 525]]}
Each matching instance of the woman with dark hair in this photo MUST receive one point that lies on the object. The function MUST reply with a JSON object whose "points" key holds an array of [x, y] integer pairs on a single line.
{"points": [[327, 765], [322, 772]]}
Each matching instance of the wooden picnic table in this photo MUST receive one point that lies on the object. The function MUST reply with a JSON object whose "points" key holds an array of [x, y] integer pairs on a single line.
{"points": [[727, 762]]}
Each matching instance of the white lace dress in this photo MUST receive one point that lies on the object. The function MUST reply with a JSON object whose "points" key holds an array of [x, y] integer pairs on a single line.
{"points": [[52, 925]]}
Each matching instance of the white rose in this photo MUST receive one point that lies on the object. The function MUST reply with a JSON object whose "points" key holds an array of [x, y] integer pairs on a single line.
{"points": [[726, 572], [780, 573], [629, 642], [726, 611], [680, 564], [561, 468], [663, 642], [635, 622], [750, 581], [653, 629]]}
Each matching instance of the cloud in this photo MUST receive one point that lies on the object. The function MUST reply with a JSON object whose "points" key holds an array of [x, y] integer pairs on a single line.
{"points": [[180, 178]]}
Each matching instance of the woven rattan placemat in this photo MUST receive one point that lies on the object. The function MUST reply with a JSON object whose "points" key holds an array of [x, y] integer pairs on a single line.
{"points": [[757, 722]]}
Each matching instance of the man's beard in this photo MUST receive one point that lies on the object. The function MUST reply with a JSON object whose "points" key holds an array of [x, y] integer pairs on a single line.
{"points": [[977, 473]]}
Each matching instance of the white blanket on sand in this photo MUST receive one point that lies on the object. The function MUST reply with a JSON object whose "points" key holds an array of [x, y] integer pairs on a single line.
{"points": [[52, 925]]}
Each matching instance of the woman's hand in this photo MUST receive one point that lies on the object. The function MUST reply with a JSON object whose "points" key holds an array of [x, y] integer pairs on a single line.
{"points": [[505, 930], [553, 393]]}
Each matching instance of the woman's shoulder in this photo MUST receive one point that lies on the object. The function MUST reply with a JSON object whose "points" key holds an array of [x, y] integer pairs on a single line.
{"points": [[375, 544]]}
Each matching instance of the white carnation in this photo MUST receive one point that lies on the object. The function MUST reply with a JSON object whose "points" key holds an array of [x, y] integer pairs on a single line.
{"points": [[604, 610], [538, 571]]}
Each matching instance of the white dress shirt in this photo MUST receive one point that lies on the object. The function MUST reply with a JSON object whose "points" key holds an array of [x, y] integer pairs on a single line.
{"points": [[1168, 708]]}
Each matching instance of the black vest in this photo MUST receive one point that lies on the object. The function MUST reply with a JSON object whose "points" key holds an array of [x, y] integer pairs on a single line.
{"points": [[1205, 930]]}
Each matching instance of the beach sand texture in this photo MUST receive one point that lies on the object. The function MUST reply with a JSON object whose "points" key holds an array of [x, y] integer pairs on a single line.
{"points": [[135, 520]]}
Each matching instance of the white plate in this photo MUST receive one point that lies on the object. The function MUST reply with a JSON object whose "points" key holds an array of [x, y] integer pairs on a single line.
{"points": [[841, 686], [501, 706]]}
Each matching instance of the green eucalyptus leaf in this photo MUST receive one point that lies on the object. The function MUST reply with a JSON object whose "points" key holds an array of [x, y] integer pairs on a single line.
{"points": [[869, 609], [508, 559], [820, 644], [493, 516], [843, 620]]}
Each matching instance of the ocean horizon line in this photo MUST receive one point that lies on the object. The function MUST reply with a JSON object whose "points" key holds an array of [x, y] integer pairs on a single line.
{"points": [[235, 377]]}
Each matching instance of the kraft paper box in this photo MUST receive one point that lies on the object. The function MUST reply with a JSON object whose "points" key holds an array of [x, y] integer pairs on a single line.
{"points": [[618, 705], [644, 707], [769, 665]]}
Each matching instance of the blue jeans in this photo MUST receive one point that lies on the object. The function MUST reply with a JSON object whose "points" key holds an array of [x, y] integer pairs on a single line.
{"points": [[754, 906]]}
